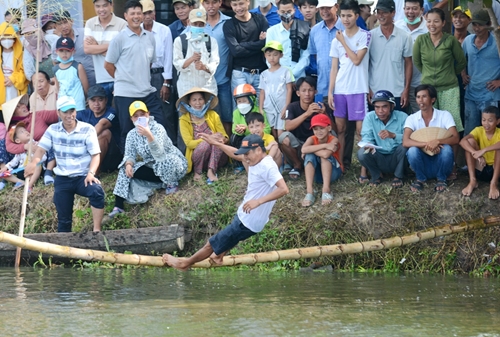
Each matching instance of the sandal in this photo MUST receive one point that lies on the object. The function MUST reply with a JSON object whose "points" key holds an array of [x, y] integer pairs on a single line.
{"points": [[171, 189], [397, 182], [440, 186], [115, 212], [417, 186], [453, 176], [326, 198], [294, 174], [238, 170], [308, 200], [363, 179], [376, 182], [210, 181]]}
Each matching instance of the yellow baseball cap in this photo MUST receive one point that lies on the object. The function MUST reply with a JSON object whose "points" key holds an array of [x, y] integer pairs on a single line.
{"points": [[273, 45], [137, 105], [459, 9]]}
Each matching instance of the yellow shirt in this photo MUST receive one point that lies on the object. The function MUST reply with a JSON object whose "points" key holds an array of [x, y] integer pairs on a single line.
{"points": [[479, 135], [268, 139]]}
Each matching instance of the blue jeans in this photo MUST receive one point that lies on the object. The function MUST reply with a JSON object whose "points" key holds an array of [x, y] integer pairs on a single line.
{"points": [[316, 163], [473, 111], [65, 189], [225, 106], [229, 237], [108, 87], [240, 77], [426, 167]]}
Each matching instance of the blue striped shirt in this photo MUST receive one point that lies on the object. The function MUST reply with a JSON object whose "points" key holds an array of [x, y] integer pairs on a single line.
{"points": [[74, 150], [320, 41]]}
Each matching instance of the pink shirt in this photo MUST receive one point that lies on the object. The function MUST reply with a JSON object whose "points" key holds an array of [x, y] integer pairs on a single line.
{"points": [[42, 121]]}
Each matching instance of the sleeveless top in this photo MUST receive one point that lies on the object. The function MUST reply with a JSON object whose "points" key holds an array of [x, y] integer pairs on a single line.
{"points": [[70, 85]]}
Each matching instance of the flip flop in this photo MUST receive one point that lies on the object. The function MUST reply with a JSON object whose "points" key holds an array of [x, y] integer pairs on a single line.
{"points": [[376, 182], [238, 170], [363, 179], [326, 198], [440, 186], [397, 182], [18, 185], [294, 174], [417, 186], [308, 200]]}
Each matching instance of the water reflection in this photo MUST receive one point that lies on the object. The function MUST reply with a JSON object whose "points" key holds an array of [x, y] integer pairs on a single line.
{"points": [[155, 302]]}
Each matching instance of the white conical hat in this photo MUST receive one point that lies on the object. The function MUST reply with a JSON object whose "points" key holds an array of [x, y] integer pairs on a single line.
{"points": [[9, 107], [206, 94], [425, 135]]}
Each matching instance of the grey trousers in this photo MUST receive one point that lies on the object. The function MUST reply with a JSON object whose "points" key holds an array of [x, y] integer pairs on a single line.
{"points": [[170, 116], [378, 163]]}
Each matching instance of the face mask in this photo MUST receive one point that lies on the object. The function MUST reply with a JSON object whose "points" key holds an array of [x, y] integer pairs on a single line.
{"points": [[263, 3], [7, 44], [414, 22], [198, 113], [137, 121], [50, 31], [286, 18], [197, 31], [16, 27], [32, 39], [65, 62], [244, 108]]}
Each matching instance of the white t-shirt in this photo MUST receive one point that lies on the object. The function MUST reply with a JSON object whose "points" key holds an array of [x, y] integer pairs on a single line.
{"points": [[262, 179], [440, 119], [352, 79], [274, 86]]}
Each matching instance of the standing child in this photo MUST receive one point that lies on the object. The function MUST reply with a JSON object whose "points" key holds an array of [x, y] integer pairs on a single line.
{"points": [[69, 74], [347, 93], [276, 85], [265, 186], [482, 152], [20, 135], [322, 162]]}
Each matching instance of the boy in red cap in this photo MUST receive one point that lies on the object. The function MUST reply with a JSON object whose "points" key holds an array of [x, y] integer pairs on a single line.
{"points": [[322, 163]]}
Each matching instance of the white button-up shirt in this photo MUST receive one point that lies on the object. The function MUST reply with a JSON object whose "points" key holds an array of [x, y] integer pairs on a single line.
{"points": [[164, 45]]}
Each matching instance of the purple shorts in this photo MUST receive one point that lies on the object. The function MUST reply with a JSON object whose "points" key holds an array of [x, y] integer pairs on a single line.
{"points": [[353, 107]]}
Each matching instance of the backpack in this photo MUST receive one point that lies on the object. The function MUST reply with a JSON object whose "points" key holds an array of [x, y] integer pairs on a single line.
{"points": [[184, 44]]}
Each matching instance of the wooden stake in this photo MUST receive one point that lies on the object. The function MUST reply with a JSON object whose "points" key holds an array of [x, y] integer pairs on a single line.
{"points": [[251, 259], [30, 146]]}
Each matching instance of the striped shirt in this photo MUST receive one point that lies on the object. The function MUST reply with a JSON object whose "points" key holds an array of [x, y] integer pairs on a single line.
{"points": [[103, 35], [74, 150]]}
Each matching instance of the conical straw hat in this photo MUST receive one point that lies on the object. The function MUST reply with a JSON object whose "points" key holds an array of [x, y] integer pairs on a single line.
{"points": [[9, 107], [425, 135], [206, 93]]}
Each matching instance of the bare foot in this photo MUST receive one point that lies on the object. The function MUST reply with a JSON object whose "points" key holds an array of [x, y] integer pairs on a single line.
{"points": [[494, 193], [467, 191], [175, 262], [218, 259], [211, 175], [197, 177]]}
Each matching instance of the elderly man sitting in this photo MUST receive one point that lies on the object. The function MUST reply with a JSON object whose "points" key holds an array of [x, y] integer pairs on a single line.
{"points": [[440, 164], [381, 143]]}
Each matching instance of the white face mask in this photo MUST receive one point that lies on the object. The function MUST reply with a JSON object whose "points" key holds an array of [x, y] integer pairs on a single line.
{"points": [[244, 108], [263, 3], [50, 31], [7, 44]]}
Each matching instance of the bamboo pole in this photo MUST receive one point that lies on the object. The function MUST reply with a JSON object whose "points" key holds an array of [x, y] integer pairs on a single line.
{"points": [[30, 146], [251, 259]]}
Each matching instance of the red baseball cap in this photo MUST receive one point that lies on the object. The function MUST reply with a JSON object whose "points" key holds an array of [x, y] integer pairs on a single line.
{"points": [[320, 120]]}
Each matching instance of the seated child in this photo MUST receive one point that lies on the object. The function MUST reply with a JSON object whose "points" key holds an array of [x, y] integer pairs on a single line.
{"points": [[276, 86], [482, 152], [20, 135], [322, 162], [246, 101]]}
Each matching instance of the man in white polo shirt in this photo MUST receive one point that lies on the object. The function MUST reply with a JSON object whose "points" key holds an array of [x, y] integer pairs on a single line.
{"points": [[99, 31]]}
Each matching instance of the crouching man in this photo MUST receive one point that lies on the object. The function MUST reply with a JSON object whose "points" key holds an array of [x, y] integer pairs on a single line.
{"points": [[77, 151]]}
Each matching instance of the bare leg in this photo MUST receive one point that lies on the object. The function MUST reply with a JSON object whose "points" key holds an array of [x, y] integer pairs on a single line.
{"points": [[326, 172], [278, 158], [341, 127], [97, 214], [364, 172], [218, 259], [309, 172], [51, 164], [494, 193], [471, 167], [291, 153], [184, 263], [211, 175]]}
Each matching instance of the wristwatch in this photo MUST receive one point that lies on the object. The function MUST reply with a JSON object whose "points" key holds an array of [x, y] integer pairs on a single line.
{"points": [[168, 85], [92, 172]]}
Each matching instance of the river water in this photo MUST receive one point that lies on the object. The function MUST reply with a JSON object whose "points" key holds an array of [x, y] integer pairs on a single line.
{"points": [[160, 302]]}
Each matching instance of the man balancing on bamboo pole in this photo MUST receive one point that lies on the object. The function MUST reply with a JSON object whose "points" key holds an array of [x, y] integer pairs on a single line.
{"points": [[265, 186]]}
